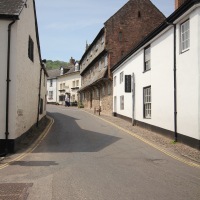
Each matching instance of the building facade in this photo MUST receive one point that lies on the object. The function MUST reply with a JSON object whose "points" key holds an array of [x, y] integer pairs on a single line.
{"points": [[23, 75], [52, 85], [120, 33], [68, 85], [157, 85]]}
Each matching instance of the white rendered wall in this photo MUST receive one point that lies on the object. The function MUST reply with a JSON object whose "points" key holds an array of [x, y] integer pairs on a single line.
{"points": [[161, 80], [3, 76], [68, 80], [188, 80], [52, 88]]}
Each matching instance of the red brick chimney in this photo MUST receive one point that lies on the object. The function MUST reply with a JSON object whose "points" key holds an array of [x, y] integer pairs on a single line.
{"points": [[72, 61], [179, 3]]}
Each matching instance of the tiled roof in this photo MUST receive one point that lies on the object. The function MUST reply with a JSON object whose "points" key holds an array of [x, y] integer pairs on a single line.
{"points": [[11, 7], [53, 73]]}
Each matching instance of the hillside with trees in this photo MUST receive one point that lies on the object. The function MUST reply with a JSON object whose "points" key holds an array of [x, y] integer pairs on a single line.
{"points": [[55, 64]]}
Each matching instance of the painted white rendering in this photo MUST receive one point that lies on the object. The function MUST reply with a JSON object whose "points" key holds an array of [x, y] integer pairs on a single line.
{"points": [[68, 84], [24, 74], [160, 78]]}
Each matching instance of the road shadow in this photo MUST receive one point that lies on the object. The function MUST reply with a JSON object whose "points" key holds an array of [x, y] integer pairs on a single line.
{"points": [[67, 136], [34, 163]]}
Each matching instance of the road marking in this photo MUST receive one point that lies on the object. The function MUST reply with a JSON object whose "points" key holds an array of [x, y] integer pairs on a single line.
{"points": [[190, 163], [32, 147]]}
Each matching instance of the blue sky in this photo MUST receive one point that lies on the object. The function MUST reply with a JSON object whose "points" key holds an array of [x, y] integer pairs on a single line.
{"points": [[65, 25]]}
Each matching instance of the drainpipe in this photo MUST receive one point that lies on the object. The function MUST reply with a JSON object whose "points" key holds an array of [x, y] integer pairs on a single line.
{"points": [[8, 86], [39, 96], [175, 86], [175, 89]]}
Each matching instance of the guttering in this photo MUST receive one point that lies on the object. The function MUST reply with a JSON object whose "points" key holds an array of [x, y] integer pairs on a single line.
{"points": [[8, 86]]}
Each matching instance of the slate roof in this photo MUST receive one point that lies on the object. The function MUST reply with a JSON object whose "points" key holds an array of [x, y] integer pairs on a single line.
{"points": [[11, 7], [53, 73]]}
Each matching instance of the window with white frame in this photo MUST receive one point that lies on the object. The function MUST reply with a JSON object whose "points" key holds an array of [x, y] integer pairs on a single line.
{"points": [[147, 58], [77, 83], [115, 81], [121, 77], [73, 84], [185, 36], [50, 94], [106, 61], [147, 102], [122, 102]]}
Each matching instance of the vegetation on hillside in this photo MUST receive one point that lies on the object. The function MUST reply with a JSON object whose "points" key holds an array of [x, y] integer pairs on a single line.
{"points": [[55, 64]]}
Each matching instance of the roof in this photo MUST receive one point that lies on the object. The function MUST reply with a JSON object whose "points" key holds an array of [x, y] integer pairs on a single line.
{"points": [[53, 73], [101, 32], [166, 23], [11, 7]]}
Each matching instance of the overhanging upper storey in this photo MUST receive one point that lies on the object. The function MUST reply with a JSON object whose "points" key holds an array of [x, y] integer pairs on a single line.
{"points": [[94, 50]]}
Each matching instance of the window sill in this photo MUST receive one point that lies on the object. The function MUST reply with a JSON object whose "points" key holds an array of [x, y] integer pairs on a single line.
{"points": [[146, 71], [184, 51]]}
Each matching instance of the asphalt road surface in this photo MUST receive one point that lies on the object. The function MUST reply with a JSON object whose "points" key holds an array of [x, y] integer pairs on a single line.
{"points": [[85, 158]]}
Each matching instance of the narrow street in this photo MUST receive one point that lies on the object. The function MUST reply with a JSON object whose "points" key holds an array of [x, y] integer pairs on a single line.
{"points": [[85, 158]]}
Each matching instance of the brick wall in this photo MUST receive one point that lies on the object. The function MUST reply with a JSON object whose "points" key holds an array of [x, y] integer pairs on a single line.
{"points": [[129, 26]]}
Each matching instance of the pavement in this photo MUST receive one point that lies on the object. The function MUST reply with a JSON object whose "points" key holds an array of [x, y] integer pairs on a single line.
{"points": [[157, 140]]}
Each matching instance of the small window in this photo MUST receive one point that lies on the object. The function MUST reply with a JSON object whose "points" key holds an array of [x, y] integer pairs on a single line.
{"points": [[77, 83], [120, 36], [51, 83], [185, 36], [121, 77], [31, 49], [122, 102], [115, 81], [147, 57], [147, 102], [106, 61], [50, 94], [73, 84], [99, 65]]}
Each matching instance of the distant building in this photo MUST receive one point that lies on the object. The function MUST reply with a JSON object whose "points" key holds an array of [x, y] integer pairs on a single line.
{"points": [[68, 85], [157, 84], [23, 75], [52, 85], [120, 33]]}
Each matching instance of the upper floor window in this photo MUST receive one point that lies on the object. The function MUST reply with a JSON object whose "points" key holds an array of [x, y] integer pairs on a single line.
{"points": [[73, 84], [31, 49], [121, 77], [115, 81], [106, 61], [120, 36], [77, 83], [51, 82], [109, 89], [185, 36], [147, 58]]}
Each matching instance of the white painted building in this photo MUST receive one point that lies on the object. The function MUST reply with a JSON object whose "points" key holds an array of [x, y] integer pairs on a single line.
{"points": [[69, 84], [52, 85], [22, 72], [158, 89]]}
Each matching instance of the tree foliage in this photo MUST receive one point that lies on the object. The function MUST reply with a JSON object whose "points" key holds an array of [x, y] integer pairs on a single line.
{"points": [[55, 64]]}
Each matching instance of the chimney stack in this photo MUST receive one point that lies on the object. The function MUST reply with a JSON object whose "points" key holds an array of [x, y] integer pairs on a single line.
{"points": [[72, 61], [179, 3]]}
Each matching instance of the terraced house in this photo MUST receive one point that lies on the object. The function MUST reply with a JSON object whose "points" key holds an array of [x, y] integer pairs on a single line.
{"points": [[22, 72], [120, 33]]}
